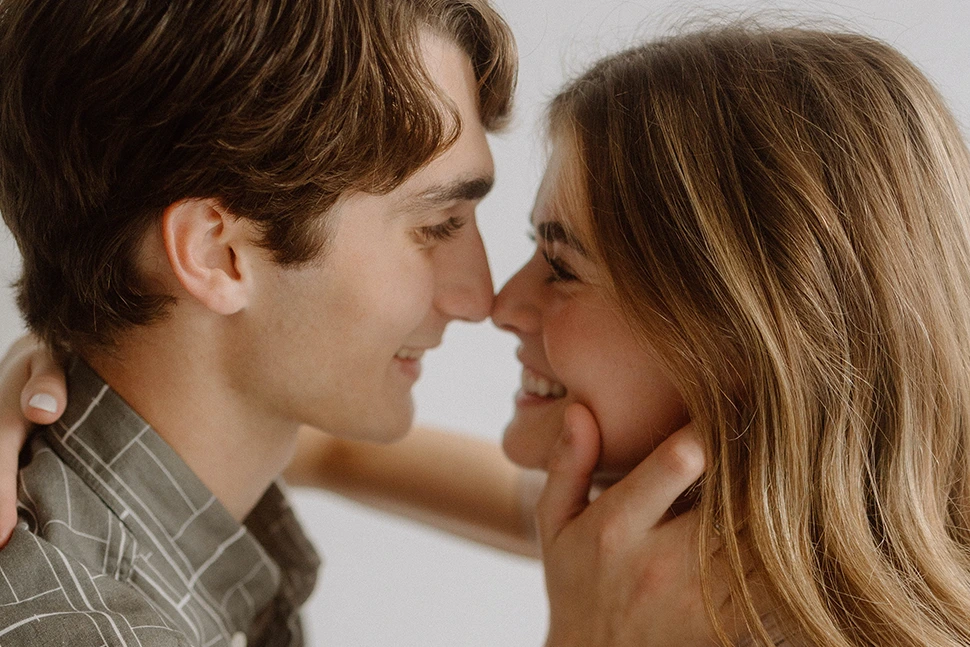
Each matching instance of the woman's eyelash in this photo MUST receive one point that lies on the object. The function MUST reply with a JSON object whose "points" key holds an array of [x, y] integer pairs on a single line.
{"points": [[560, 272], [442, 231]]}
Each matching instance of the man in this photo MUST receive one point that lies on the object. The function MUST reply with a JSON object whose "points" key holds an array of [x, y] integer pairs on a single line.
{"points": [[236, 217]]}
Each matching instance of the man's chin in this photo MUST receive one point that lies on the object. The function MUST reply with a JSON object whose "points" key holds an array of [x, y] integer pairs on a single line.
{"points": [[382, 430]]}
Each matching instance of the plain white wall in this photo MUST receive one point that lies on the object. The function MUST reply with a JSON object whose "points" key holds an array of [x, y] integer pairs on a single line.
{"points": [[389, 582]]}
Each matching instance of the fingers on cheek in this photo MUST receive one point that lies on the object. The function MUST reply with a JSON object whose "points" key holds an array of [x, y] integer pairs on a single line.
{"points": [[681, 458]]}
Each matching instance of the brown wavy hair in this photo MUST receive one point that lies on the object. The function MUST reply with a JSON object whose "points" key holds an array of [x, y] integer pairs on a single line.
{"points": [[785, 217], [110, 111]]}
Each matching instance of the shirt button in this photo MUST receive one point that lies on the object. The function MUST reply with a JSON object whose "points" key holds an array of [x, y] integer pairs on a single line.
{"points": [[238, 639]]}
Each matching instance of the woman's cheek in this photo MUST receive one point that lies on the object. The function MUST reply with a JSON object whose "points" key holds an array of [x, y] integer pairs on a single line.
{"points": [[630, 435]]}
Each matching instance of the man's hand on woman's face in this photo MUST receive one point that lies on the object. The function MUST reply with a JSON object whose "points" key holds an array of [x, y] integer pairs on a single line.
{"points": [[32, 390], [619, 570]]}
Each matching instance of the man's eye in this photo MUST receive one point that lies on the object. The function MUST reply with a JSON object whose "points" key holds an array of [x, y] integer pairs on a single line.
{"points": [[559, 271], [442, 231]]}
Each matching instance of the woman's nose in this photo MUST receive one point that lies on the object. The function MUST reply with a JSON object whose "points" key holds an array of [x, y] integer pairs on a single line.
{"points": [[517, 308]]}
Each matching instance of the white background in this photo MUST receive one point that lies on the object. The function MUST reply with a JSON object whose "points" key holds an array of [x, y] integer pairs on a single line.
{"points": [[388, 582]]}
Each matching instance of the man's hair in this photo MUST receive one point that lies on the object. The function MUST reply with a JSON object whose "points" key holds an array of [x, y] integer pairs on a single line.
{"points": [[782, 214], [110, 111]]}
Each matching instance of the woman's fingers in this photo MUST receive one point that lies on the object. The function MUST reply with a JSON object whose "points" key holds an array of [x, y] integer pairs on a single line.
{"points": [[619, 570], [32, 390], [638, 502], [11, 441], [644, 496], [570, 470], [14, 373], [44, 396]]}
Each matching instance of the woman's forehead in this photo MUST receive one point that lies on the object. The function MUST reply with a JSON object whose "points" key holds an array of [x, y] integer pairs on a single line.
{"points": [[562, 197]]}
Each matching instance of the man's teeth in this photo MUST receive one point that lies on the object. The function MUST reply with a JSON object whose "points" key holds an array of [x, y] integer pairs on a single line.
{"points": [[409, 353], [534, 384]]}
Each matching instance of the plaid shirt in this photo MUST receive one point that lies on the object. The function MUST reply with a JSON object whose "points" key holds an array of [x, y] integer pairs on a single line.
{"points": [[120, 544]]}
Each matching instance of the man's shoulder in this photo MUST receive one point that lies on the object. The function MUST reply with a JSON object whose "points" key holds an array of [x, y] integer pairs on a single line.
{"points": [[48, 597], [60, 507], [64, 574]]}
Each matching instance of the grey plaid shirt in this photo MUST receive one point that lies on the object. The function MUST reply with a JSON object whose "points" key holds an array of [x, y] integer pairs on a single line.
{"points": [[120, 544]]}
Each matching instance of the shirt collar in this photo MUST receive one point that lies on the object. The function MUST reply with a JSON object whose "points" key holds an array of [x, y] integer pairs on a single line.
{"points": [[169, 510]]}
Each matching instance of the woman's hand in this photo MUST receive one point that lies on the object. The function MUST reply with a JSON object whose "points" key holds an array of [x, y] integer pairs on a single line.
{"points": [[32, 390], [619, 570]]}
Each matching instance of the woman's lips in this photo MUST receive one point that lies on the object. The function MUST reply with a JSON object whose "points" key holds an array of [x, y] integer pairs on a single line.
{"points": [[537, 388]]}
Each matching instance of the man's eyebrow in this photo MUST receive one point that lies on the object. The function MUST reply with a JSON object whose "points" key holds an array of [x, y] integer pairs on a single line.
{"points": [[551, 231], [468, 189]]}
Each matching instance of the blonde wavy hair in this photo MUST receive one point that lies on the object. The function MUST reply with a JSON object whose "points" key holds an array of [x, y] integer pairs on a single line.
{"points": [[784, 217]]}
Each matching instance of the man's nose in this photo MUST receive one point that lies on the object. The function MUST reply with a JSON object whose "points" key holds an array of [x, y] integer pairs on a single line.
{"points": [[465, 289]]}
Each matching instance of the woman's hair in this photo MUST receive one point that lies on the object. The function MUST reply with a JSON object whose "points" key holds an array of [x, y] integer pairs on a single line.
{"points": [[784, 217]]}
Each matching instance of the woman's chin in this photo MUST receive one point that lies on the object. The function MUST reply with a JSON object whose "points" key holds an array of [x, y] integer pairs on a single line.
{"points": [[524, 452], [531, 434]]}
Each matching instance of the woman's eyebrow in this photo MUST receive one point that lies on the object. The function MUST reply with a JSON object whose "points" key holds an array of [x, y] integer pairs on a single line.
{"points": [[551, 231]]}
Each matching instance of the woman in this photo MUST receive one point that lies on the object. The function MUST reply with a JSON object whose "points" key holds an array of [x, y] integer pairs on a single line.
{"points": [[764, 232], [781, 219]]}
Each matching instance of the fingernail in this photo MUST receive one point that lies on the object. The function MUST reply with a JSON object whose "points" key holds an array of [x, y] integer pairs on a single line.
{"points": [[44, 402]]}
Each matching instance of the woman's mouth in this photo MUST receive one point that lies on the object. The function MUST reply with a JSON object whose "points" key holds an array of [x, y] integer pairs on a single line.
{"points": [[539, 387]]}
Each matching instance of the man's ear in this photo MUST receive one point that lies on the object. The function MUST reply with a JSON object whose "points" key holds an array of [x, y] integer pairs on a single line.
{"points": [[206, 248]]}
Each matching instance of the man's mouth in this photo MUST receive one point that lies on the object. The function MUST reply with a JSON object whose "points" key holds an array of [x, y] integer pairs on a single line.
{"points": [[409, 353], [539, 386]]}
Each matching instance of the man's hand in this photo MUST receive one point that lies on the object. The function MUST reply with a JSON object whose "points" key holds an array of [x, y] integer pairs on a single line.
{"points": [[619, 570], [32, 390]]}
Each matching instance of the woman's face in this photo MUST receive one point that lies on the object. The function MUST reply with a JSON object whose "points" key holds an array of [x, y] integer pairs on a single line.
{"points": [[577, 347]]}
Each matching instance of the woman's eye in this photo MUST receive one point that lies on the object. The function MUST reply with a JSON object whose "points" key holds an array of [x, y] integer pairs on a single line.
{"points": [[442, 231], [559, 271]]}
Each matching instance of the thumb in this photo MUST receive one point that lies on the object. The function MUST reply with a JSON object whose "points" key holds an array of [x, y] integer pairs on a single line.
{"points": [[570, 468], [44, 396]]}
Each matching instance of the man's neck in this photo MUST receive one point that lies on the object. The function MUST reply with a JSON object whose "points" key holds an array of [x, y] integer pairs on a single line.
{"points": [[182, 391]]}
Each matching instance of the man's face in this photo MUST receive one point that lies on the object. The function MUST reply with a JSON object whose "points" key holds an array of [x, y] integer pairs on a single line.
{"points": [[338, 344]]}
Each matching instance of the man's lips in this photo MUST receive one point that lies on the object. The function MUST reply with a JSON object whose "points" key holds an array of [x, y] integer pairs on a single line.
{"points": [[408, 353]]}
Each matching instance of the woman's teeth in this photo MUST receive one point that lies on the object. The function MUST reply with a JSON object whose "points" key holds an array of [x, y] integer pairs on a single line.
{"points": [[535, 384]]}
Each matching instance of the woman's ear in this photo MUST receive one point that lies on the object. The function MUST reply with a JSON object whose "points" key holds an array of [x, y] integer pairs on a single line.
{"points": [[205, 247]]}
